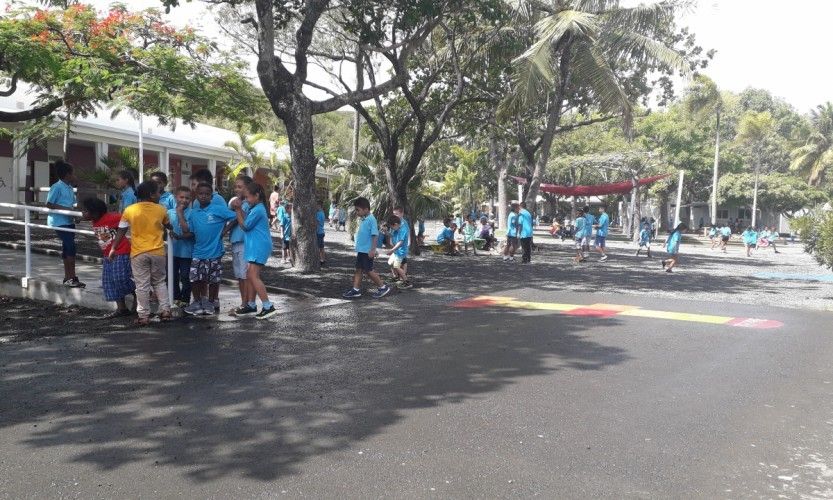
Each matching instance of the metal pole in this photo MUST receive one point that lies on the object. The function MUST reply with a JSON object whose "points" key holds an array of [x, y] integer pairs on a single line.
{"points": [[28, 241], [171, 276], [679, 199], [141, 151]]}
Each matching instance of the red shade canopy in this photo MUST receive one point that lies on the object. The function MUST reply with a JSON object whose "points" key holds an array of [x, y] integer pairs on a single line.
{"points": [[623, 187]]}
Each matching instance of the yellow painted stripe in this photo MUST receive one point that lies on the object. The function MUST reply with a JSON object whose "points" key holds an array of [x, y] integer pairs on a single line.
{"points": [[678, 316]]}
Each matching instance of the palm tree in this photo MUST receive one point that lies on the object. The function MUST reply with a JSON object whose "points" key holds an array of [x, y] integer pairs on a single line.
{"points": [[704, 100], [250, 159], [815, 157], [579, 44], [753, 131]]}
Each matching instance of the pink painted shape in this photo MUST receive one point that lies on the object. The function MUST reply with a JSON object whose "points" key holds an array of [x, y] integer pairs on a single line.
{"points": [[757, 324]]}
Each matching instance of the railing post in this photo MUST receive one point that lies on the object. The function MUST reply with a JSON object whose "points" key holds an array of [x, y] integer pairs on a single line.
{"points": [[28, 242], [171, 276]]}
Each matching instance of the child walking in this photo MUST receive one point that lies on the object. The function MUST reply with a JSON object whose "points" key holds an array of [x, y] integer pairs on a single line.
{"points": [[146, 221], [644, 238], [116, 275], [581, 236], [672, 246], [750, 240], [183, 248], [257, 249], [365, 238], [205, 224]]}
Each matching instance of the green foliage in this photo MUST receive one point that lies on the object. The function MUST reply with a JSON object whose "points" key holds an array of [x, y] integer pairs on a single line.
{"points": [[777, 192], [814, 158], [816, 230]]}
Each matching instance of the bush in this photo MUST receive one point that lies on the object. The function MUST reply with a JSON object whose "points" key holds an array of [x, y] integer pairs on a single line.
{"points": [[816, 230]]}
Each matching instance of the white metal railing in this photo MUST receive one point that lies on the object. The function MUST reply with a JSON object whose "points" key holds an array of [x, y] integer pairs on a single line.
{"points": [[27, 231]]}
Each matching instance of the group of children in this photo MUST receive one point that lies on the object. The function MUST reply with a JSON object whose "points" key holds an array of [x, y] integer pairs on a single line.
{"points": [[583, 233], [752, 239], [195, 218]]}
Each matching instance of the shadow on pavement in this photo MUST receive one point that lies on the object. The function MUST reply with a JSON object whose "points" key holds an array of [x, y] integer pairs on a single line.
{"points": [[213, 402]]}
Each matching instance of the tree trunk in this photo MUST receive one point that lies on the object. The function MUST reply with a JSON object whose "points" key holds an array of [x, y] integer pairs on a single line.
{"points": [[636, 213], [304, 204], [755, 197], [499, 161], [714, 175]]}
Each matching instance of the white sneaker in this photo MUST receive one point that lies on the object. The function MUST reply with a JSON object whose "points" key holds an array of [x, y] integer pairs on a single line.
{"points": [[505, 259], [604, 258]]}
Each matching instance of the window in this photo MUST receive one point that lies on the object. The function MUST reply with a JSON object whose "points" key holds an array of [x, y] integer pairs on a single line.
{"points": [[722, 213]]}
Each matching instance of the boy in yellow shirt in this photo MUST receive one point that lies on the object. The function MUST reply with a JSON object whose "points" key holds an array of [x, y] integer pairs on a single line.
{"points": [[147, 221]]}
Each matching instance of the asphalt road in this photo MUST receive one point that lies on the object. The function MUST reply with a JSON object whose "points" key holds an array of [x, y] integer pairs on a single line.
{"points": [[413, 397]]}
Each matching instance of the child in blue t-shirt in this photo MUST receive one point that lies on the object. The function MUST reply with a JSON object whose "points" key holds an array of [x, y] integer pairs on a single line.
{"points": [[284, 216], [127, 184], [319, 234], [398, 252], [236, 236], [580, 235], [644, 238], [366, 236], [672, 246], [183, 248], [750, 240], [254, 223], [205, 224]]}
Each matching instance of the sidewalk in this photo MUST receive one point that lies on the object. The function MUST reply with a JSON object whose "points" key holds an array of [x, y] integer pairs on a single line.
{"points": [[48, 273]]}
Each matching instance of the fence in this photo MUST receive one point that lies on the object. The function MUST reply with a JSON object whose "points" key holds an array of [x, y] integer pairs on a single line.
{"points": [[27, 230]]}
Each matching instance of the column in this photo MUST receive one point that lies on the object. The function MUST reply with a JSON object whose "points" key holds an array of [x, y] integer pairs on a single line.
{"points": [[102, 150], [20, 151], [212, 167], [165, 161]]}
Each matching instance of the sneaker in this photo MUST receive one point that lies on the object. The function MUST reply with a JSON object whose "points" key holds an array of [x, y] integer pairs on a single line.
{"points": [[604, 258], [505, 259], [209, 307], [244, 311], [669, 270], [195, 309], [267, 313], [406, 285], [394, 279], [381, 292], [74, 283], [352, 294]]}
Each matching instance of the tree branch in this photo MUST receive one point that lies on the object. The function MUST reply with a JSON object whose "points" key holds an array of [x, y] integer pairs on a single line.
{"points": [[12, 87], [41, 111]]}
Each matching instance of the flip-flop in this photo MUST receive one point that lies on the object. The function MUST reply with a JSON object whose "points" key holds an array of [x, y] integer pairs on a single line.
{"points": [[142, 321]]}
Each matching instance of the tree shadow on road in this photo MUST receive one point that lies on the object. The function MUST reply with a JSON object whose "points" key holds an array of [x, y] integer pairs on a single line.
{"points": [[215, 403]]}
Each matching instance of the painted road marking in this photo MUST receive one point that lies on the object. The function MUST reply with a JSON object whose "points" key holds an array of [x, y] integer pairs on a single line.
{"points": [[798, 277], [610, 310]]}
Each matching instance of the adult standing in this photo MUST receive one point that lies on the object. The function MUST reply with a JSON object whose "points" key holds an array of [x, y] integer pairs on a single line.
{"points": [[525, 222], [602, 227]]}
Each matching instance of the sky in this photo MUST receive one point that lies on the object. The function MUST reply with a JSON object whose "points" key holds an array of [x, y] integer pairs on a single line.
{"points": [[771, 44]]}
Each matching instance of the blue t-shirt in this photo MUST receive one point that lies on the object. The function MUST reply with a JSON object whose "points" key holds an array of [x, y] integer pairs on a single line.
{"points": [[257, 246], [62, 194], [712, 232], [286, 223], [280, 214], [128, 197], [319, 216], [580, 229], [368, 228], [216, 199], [207, 225], [726, 231], [182, 248], [404, 235], [525, 219], [604, 224], [672, 246], [168, 200], [645, 235], [511, 225], [589, 220], [445, 235], [237, 235], [750, 237]]}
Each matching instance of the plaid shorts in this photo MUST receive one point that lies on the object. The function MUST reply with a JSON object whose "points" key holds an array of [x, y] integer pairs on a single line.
{"points": [[208, 270], [117, 278]]}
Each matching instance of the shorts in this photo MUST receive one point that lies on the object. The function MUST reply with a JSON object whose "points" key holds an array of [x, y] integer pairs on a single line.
{"points": [[208, 270], [117, 278], [600, 241], [512, 240], [582, 242], [395, 261], [404, 260], [364, 262], [320, 240], [724, 239], [238, 261], [67, 242]]}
